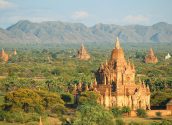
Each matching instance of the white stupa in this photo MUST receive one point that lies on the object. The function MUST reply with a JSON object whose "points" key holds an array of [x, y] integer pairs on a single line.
{"points": [[167, 56]]}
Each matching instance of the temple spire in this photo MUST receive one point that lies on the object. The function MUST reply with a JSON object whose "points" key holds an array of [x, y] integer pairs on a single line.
{"points": [[117, 44], [106, 62], [15, 52], [82, 46], [151, 52], [2, 51], [40, 121]]}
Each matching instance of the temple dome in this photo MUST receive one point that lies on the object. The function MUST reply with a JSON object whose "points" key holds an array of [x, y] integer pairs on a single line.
{"points": [[117, 52]]}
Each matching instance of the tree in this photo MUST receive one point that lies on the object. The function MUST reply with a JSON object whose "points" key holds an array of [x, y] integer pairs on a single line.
{"points": [[67, 97], [49, 84], [89, 114], [88, 97], [50, 99], [25, 99], [30, 100], [141, 113]]}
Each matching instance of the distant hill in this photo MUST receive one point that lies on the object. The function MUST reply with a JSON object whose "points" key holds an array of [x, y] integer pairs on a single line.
{"points": [[62, 32]]}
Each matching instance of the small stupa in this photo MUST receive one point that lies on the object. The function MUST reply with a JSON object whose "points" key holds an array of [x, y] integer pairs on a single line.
{"points": [[168, 56], [151, 58], [40, 121], [83, 54], [15, 52]]}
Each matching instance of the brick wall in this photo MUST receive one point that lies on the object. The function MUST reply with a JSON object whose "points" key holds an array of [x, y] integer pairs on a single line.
{"points": [[152, 113]]}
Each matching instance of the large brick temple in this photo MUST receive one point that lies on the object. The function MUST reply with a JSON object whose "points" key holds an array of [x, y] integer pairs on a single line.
{"points": [[115, 81]]}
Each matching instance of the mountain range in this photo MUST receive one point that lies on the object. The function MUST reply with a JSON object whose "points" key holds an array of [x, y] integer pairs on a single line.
{"points": [[61, 32]]}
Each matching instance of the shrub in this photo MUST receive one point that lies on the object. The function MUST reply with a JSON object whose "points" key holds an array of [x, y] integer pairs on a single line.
{"points": [[141, 113], [20, 117], [93, 114], [88, 97], [120, 122], [164, 122], [125, 109], [134, 123], [158, 114], [55, 72], [67, 97], [116, 111], [58, 109], [2, 115]]}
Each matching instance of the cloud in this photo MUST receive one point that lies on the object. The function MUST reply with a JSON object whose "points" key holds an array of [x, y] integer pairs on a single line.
{"points": [[5, 4], [136, 19], [78, 15]]}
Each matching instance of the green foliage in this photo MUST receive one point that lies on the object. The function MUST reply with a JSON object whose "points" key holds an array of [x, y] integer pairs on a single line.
{"points": [[89, 114], [19, 117], [2, 115], [141, 113], [134, 123], [120, 122], [31, 100], [55, 72], [140, 55], [67, 98], [88, 97], [158, 114], [50, 99], [25, 99], [164, 122], [58, 109], [116, 111], [161, 98], [126, 109]]}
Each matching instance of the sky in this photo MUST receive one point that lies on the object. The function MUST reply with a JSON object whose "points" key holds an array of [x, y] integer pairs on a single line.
{"points": [[89, 12]]}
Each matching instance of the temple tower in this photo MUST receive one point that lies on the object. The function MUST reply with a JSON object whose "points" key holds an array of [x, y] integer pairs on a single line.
{"points": [[118, 77], [4, 56], [151, 58], [82, 53]]}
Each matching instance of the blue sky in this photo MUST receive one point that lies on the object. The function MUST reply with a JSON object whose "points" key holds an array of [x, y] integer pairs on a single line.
{"points": [[89, 12]]}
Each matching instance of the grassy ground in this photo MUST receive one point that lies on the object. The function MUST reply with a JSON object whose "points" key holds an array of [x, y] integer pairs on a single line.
{"points": [[47, 121], [127, 120], [145, 121]]}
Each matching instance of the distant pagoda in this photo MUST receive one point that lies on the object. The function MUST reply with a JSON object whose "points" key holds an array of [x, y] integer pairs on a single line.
{"points": [[82, 53], [4, 56], [151, 58], [15, 52], [168, 56]]}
